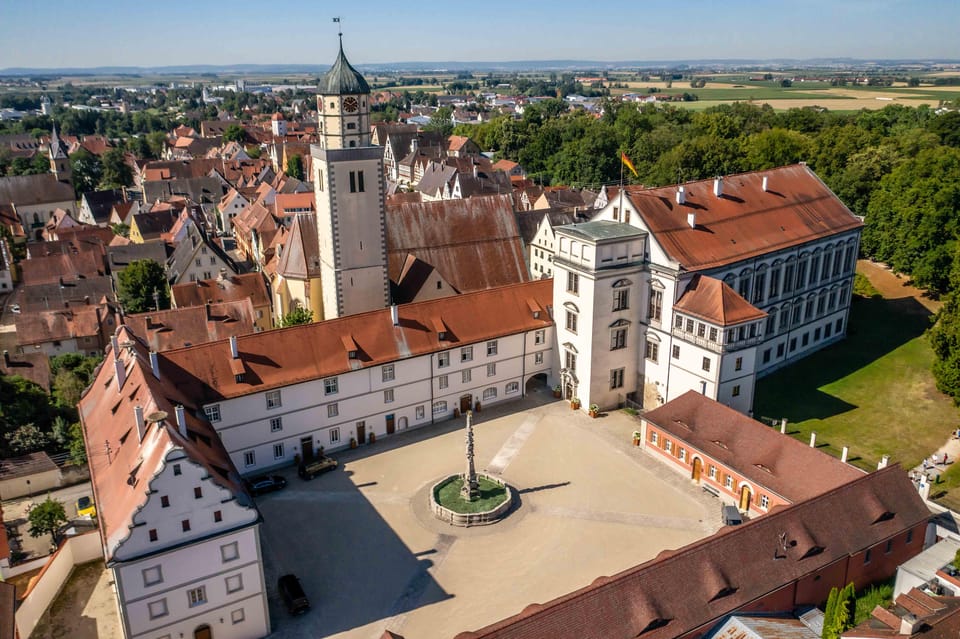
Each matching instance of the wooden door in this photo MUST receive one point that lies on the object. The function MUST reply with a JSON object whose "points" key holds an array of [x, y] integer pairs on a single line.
{"points": [[745, 499], [306, 445], [697, 469], [390, 425], [203, 632], [466, 403], [361, 432]]}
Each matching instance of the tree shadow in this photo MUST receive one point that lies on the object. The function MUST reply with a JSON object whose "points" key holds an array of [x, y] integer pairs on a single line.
{"points": [[877, 326]]}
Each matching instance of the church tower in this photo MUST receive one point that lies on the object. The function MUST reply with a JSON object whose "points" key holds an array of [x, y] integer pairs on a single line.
{"points": [[349, 188], [59, 161]]}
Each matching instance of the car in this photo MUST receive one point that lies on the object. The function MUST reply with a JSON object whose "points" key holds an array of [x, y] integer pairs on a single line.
{"points": [[265, 484], [292, 594], [309, 470], [730, 515], [86, 508], [14, 308]]}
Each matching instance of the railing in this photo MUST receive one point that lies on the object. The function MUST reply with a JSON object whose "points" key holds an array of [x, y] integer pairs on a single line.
{"points": [[699, 341], [470, 519]]}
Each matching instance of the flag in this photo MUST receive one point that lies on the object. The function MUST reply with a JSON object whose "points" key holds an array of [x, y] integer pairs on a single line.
{"points": [[336, 19], [626, 161]]}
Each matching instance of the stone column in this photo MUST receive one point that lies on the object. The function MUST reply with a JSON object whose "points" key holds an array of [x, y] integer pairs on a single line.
{"points": [[471, 489]]}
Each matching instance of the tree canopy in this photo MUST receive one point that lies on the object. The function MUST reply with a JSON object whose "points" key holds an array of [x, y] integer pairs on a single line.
{"points": [[142, 286], [46, 518], [298, 315]]}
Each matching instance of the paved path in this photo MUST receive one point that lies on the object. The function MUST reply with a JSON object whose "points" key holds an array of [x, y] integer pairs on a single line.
{"points": [[633, 519], [513, 445]]}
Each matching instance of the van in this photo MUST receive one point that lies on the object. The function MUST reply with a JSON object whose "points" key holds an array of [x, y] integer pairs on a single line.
{"points": [[292, 594], [309, 470], [730, 516]]}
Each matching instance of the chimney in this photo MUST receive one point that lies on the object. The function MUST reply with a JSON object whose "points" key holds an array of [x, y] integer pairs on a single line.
{"points": [[909, 624], [883, 462], [155, 364], [223, 275], [6, 358], [141, 425], [692, 220], [475, 170], [766, 184], [681, 195], [414, 144], [121, 373], [394, 315], [234, 349], [843, 455], [813, 439], [783, 426], [718, 187], [181, 420], [115, 346]]}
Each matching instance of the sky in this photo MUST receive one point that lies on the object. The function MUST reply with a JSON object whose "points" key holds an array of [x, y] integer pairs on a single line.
{"points": [[88, 33]]}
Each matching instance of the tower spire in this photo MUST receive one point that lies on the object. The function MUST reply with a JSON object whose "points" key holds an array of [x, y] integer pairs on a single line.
{"points": [[339, 32]]}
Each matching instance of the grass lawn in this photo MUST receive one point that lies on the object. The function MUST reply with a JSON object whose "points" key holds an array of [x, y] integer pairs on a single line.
{"points": [[492, 494], [873, 391]]}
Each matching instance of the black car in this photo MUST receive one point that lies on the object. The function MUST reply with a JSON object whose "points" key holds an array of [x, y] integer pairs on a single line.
{"points": [[265, 484], [292, 594]]}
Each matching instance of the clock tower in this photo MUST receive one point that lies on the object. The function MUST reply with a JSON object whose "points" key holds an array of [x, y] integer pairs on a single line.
{"points": [[349, 188]]}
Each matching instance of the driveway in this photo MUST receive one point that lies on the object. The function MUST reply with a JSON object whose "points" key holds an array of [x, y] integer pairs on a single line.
{"points": [[372, 558]]}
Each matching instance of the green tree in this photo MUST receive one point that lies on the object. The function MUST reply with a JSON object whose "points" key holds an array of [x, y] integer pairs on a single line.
{"points": [[157, 141], [116, 172], [46, 518], [776, 147], [67, 387], [123, 230], [26, 438], [297, 316], [829, 613], [78, 452], [441, 121], [234, 133], [87, 171], [143, 286], [60, 431], [22, 402], [295, 166]]}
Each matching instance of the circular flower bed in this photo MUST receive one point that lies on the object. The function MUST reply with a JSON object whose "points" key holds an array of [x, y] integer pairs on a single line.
{"points": [[492, 504]]}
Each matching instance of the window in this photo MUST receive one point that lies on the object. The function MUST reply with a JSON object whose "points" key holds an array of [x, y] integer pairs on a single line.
{"points": [[278, 451], [909, 536], [176, 469], [250, 458], [706, 364], [356, 181], [334, 435], [866, 557], [185, 525], [713, 334], [682, 454], [539, 337], [676, 352], [805, 339], [655, 310], [489, 393], [198, 261], [466, 354], [234, 583], [759, 287], [273, 399], [152, 534], [678, 322], [827, 330], [513, 387], [618, 338], [491, 348], [570, 359], [538, 358], [465, 376], [573, 283], [689, 325], [229, 552], [420, 412], [701, 329], [653, 351], [333, 409], [491, 370], [439, 408], [728, 482], [839, 325], [217, 516], [889, 547], [331, 386], [793, 344], [738, 364], [766, 356], [713, 472], [736, 391], [774, 282], [616, 378], [788, 279], [388, 396], [213, 413], [157, 608], [276, 424], [388, 373], [621, 299], [164, 501], [443, 381], [237, 616], [654, 438], [197, 596], [152, 576], [571, 321], [668, 445], [443, 359], [197, 492]]}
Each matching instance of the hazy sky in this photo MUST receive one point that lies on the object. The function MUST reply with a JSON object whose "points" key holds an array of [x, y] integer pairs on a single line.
{"points": [[83, 33]]}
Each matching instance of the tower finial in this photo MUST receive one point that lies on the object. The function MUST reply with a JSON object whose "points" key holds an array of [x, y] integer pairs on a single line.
{"points": [[339, 31]]}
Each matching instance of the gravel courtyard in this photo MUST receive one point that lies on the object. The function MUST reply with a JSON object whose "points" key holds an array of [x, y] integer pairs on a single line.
{"points": [[371, 557]]}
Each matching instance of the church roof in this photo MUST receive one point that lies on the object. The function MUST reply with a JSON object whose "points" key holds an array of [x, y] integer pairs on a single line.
{"points": [[342, 79], [58, 150]]}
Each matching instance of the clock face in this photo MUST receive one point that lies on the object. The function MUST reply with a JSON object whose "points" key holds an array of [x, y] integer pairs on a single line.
{"points": [[350, 104]]}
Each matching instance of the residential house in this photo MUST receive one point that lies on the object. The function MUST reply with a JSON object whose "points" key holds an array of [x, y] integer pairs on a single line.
{"points": [[189, 325], [80, 328], [540, 249], [196, 258], [227, 288], [97, 206], [231, 205], [297, 276]]}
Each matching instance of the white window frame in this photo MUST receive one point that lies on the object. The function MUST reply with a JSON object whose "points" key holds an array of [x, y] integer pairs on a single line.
{"points": [[274, 399], [158, 608], [388, 396], [388, 373], [538, 358], [278, 448], [489, 393], [466, 376], [466, 354], [443, 381], [334, 435], [712, 472], [237, 616], [276, 424], [331, 386], [152, 576], [655, 438], [491, 369], [420, 412], [512, 387], [492, 348], [439, 407], [229, 552], [212, 412], [250, 458], [443, 359], [196, 596], [333, 410], [668, 446], [234, 583], [539, 337], [764, 502], [728, 482]]}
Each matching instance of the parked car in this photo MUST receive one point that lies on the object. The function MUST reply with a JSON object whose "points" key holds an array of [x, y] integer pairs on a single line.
{"points": [[86, 508], [265, 484], [730, 515], [292, 594], [311, 469]]}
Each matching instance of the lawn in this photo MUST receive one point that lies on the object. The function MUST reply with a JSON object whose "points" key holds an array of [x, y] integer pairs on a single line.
{"points": [[492, 494], [872, 392]]}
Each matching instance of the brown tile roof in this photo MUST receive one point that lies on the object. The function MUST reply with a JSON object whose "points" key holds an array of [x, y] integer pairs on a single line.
{"points": [[228, 289], [473, 243], [780, 463], [122, 467], [277, 358], [937, 617], [288, 204], [43, 270], [189, 325], [745, 221], [153, 224], [300, 258], [33, 366], [680, 591], [42, 297], [26, 465], [75, 322], [26, 190], [714, 301]]}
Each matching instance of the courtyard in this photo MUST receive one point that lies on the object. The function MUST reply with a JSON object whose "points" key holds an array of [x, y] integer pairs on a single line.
{"points": [[371, 557]]}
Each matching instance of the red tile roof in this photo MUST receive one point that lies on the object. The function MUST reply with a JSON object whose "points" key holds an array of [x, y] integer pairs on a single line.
{"points": [[281, 357], [228, 289], [699, 584], [41, 327], [938, 617], [34, 366], [189, 325], [745, 221], [300, 258], [714, 301], [68, 266], [763, 455]]}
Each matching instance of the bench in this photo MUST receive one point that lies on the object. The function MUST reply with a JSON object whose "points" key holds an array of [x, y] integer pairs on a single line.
{"points": [[713, 490]]}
